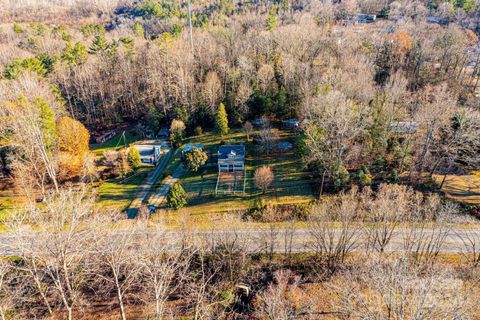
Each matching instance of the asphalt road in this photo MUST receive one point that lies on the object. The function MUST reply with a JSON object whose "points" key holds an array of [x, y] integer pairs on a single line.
{"points": [[296, 240]]}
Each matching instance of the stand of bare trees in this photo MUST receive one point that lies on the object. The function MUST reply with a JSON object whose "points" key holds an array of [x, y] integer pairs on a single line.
{"points": [[69, 257]]}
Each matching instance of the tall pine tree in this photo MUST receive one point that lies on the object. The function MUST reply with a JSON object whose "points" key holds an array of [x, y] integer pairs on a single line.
{"points": [[221, 120], [47, 123]]}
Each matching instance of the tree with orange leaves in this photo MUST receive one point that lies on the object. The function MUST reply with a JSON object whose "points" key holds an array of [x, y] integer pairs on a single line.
{"points": [[471, 37], [402, 43], [72, 143]]}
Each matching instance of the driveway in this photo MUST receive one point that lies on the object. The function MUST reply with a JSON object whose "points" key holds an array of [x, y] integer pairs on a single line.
{"points": [[161, 196], [145, 188]]}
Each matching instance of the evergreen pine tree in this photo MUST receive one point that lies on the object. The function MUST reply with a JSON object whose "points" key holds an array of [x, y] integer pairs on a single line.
{"points": [[271, 19], [98, 44], [221, 120], [176, 197], [47, 122], [281, 100]]}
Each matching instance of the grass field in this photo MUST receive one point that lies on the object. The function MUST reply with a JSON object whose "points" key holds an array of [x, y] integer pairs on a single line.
{"points": [[114, 143], [291, 183], [118, 193], [465, 188]]}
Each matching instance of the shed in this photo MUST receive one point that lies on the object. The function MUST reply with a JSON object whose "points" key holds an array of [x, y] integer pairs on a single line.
{"points": [[189, 147], [290, 123], [163, 133], [259, 122], [284, 145]]}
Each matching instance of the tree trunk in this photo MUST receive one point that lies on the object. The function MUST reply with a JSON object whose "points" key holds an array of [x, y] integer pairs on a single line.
{"points": [[322, 183]]}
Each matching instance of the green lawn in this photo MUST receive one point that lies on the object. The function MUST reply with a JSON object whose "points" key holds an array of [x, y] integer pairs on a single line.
{"points": [[118, 193], [291, 183], [116, 142]]}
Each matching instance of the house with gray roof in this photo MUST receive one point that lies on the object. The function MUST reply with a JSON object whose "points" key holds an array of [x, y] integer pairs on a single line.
{"points": [[231, 158], [151, 151]]}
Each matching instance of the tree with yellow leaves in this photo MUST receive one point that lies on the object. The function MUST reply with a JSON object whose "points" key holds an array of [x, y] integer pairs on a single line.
{"points": [[72, 143], [402, 43]]}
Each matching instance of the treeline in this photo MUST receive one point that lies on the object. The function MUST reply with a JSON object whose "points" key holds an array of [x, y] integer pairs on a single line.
{"points": [[69, 261], [268, 63]]}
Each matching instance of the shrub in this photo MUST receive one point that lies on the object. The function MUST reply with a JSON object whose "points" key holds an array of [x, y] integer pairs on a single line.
{"points": [[17, 28], [177, 131], [394, 176], [341, 179], [364, 178], [134, 158]]}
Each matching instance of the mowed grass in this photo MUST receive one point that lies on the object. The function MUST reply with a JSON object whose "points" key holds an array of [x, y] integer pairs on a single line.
{"points": [[291, 183], [464, 188], [117, 142], [118, 193]]}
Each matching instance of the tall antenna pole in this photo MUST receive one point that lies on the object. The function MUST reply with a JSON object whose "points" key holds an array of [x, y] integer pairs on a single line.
{"points": [[190, 24]]}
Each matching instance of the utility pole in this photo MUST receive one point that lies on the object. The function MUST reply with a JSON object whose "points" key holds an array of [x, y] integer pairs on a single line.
{"points": [[190, 25]]}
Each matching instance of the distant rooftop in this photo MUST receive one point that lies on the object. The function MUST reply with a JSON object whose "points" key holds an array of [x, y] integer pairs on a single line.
{"points": [[403, 126], [189, 147]]}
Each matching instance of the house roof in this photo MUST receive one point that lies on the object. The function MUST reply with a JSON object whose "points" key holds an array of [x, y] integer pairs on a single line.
{"points": [[189, 147], [147, 148], [403, 126], [291, 122], [284, 145], [232, 152]]}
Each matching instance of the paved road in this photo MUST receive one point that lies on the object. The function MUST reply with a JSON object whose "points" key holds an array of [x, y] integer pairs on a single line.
{"points": [[146, 187], [296, 240]]}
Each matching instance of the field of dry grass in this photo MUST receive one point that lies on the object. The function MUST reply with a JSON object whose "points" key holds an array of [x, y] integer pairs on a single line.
{"points": [[464, 188]]}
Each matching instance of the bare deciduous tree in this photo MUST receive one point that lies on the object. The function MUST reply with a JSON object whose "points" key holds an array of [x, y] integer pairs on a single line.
{"points": [[55, 259], [398, 290], [283, 299], [164, 265], [333, 234], [267, 138], [117, 266], [248, 128], [263, 178]]}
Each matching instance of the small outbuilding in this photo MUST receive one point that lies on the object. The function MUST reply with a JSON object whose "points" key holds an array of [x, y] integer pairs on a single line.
{"points": [[189, 147], [163, 133], [366, 18], [290, 124], [105, 136], [231, 158], [259, 122], [284, 146]]}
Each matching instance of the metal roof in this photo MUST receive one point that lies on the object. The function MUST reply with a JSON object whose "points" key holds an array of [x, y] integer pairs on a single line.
{"points": [[231, 152]]}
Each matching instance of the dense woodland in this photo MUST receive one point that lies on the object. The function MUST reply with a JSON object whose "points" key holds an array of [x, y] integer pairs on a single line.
{"points": [[381, 107]]}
